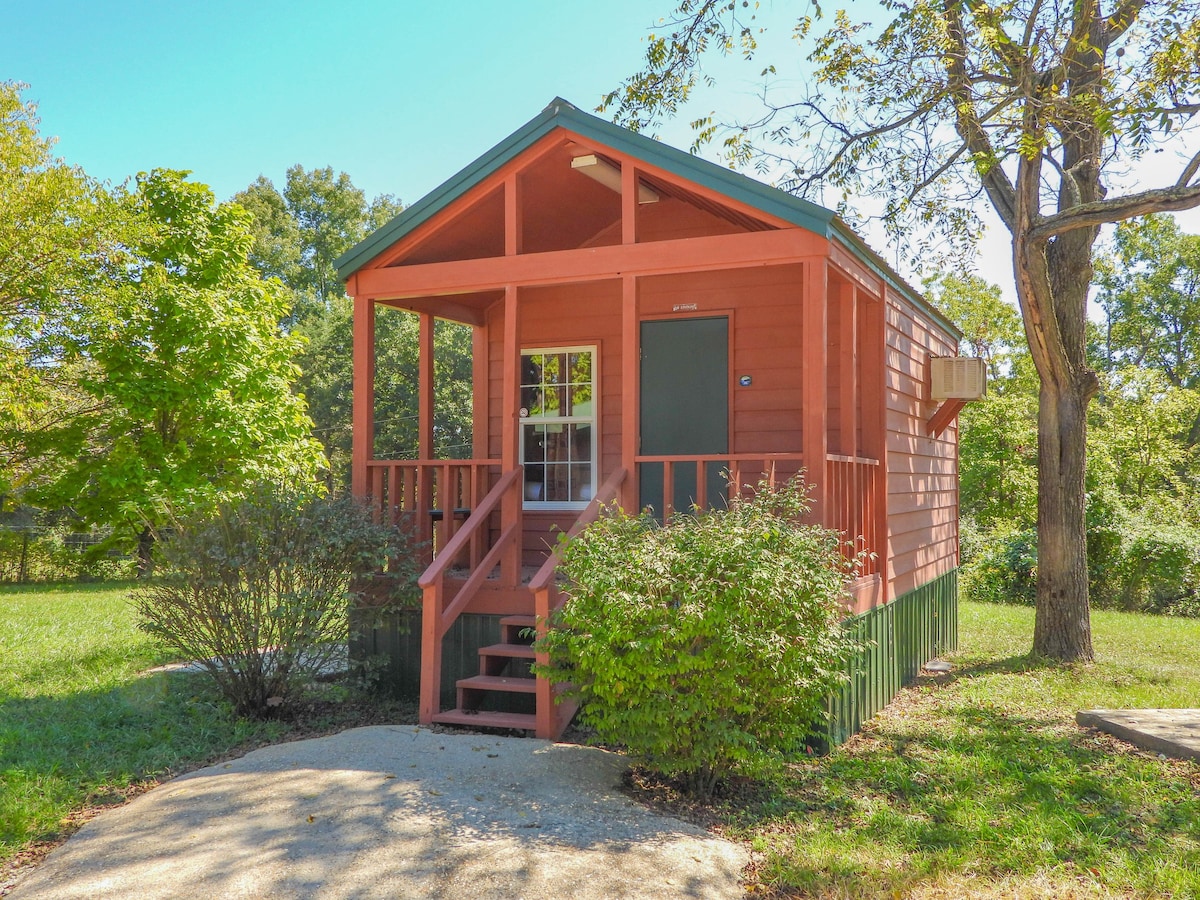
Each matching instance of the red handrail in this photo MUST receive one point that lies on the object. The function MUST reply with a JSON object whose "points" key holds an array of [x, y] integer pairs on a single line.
{"points": [[436, 616]]}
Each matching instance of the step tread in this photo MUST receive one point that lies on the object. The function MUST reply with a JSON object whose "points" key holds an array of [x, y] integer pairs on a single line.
{"points": [[485, 719], [516, 651], [498, 683]]}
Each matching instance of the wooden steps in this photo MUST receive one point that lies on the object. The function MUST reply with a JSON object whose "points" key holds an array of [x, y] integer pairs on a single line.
{"points": [[487, 719], [503, 670]]}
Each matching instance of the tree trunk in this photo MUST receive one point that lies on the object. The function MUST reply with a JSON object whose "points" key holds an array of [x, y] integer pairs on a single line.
{"points": [[145, 558], [1063, 628]]}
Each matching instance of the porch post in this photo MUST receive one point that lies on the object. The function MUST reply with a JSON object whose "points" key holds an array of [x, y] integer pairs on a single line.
{"points": [[875, 426], [629, 392], [510, 512], [425, 389], [426, 501], [848, 387], [813, 362], [363, 396]]}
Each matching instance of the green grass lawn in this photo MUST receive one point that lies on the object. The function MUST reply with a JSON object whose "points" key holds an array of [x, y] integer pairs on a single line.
{"points": [[974, 785], [81, 724], [980, 784]]}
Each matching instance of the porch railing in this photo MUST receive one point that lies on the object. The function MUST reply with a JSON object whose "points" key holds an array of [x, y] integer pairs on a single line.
{"points": [[440, 611], [431, 499], [745, 469], [551, 719], [851, 483]]}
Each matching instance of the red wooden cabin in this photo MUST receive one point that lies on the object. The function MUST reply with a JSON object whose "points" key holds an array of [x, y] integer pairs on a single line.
{"points": [[643, 320]]}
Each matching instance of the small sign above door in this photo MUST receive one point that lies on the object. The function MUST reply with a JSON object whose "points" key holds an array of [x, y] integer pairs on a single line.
{"points": [[684, 307]]}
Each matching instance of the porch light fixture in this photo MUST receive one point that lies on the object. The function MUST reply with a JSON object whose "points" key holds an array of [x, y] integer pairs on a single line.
{"points": [[609, 175]]}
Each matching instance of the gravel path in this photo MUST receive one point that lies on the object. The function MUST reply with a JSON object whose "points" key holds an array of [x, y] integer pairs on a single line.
{"points": [[396, 812]]}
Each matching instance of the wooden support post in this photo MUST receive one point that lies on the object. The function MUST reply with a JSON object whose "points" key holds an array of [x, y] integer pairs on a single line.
{"points": [[513, 225], [813, 374], [479, 394], [629, 392], [363, 396], [510, 509], [629, 202], [875, 405], [425, 496], [848, 392]]}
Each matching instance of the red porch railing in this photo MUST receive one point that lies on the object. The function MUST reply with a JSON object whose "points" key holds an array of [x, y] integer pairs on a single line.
{"points": [[851, 483], [438, 611], [745, 470], [431, 498]]}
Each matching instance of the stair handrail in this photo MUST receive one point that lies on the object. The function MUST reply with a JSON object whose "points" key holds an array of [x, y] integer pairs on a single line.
{"points": [[551, 721], [590, 514], [476, 520], [433, 582]]}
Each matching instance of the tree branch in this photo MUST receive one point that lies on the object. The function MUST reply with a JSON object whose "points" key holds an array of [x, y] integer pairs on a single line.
{"points": [[1189, 172], [1116, 209]]}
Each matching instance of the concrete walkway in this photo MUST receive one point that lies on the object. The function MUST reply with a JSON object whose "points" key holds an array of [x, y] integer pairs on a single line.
{"points": [[1171, 732], [395, 812]]}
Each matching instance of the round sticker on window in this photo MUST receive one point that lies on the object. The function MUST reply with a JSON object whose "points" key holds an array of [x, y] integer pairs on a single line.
{"points": [[524, 412]]}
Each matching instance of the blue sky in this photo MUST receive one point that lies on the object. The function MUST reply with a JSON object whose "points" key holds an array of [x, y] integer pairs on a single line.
{"points": [[400, 95]]}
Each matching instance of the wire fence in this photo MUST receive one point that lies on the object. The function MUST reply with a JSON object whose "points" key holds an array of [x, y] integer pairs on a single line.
{"points": [[31, 553]]}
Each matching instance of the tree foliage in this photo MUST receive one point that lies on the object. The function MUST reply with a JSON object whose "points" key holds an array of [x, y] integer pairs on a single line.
{"points": [[186, 372], [1031, 105], [301, 230], [60, 237]]}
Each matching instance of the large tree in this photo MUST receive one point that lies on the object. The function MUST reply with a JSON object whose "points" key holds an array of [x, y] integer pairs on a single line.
{"points": [[60, 236], [187, 372], [301, 230], [1035, 106]]}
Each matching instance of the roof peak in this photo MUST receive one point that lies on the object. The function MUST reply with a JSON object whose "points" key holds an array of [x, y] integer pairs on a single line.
{"points": [[558, 104]]}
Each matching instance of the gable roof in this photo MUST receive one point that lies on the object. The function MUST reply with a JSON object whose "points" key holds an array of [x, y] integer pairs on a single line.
{"points": [[561, 114]]}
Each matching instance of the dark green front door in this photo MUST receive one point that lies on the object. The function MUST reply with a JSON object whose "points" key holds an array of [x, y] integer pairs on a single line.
{"points": [[684, 405]]}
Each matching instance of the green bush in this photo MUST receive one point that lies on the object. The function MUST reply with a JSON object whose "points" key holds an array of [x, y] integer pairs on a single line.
{"points": [[1138, 560], [707, 646], [259, 592], [1001, 568]]}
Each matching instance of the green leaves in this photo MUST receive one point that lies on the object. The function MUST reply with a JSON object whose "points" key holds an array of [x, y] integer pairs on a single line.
{"points": [[707, 646]]}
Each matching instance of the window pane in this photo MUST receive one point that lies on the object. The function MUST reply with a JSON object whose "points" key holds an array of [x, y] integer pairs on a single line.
{"points": [[581, 443], [581, 400], [581, 483], [557, 488], [535, 444]]}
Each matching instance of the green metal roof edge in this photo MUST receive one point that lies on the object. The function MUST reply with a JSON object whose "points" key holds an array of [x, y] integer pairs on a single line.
{"points": [[876, 264], [561, 113]]}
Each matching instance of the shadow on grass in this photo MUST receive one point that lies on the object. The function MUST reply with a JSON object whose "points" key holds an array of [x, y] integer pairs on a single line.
{"points": [[971, 789], [58, 753]]}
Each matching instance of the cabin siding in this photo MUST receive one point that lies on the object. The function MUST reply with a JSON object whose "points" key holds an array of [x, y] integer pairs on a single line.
{"points": [[922, 479]]}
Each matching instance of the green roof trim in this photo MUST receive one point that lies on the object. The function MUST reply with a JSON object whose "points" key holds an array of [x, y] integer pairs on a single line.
{"points": [[561, 114]]}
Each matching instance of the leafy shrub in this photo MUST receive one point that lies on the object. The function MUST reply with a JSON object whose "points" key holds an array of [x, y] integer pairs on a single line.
{"points": [[1002, 568], [259, 593], [709, 645]]}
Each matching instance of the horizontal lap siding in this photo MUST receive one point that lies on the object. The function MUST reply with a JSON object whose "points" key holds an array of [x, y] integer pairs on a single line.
{"points": [[764, 305], [922, 470]]}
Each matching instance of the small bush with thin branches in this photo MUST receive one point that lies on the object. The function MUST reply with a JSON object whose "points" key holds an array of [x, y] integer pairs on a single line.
{"points": [[258, 593]]}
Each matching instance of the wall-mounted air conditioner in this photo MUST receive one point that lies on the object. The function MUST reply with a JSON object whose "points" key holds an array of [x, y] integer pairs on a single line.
{"points": [[957, 378]]}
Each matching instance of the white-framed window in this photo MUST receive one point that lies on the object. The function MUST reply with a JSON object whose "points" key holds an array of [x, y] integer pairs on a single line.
{"points": [[558, 426]]}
